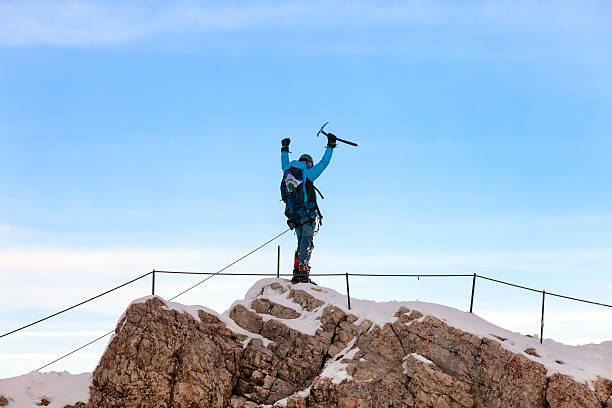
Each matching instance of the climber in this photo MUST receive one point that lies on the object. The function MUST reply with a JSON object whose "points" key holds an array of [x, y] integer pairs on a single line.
{"points": [[302, 211]]}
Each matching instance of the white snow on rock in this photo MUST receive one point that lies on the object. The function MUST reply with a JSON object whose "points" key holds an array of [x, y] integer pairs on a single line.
{"points": [[420, 358], [60, 388], [584, 363], [307, 323], [283, 402], [193, 311], [335, 368]]}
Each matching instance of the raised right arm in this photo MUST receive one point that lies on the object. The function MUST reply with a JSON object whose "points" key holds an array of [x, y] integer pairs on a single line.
{"points": [[285, 153]]}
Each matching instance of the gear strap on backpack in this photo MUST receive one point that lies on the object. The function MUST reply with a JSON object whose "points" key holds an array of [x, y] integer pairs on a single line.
{"points": [[300, 198]]}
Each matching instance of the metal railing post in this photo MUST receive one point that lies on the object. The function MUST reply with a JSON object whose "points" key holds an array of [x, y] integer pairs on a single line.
{"points": [[348, 292], [473, 287], [278, 263], [153, 283], [542, 322]]}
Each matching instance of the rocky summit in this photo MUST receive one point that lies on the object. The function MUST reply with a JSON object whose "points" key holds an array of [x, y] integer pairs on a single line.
{"points": [[300, 346]]}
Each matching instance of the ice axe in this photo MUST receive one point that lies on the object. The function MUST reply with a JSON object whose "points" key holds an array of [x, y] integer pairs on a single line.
{"points": [[337, 138]]}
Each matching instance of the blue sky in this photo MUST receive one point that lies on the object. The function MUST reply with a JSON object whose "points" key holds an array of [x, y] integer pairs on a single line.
{"points": [[146, 135]]}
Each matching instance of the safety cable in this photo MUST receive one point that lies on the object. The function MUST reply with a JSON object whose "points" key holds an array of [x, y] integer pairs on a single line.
{"points": [[75, 350], [540, 291], [233, 263], [72, 307], [148, 273]]}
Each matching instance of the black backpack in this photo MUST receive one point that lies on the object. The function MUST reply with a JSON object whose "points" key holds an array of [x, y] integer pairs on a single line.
{"points": [[298, 209]]}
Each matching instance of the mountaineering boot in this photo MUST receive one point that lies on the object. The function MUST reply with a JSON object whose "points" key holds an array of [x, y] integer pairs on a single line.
{"points": [[300, 274], [296, 276], [305, 274]]}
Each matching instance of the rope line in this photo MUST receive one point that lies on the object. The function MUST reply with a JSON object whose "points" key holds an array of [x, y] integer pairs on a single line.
{"points": [[233, 263], [77, 305], [75, 350], [578, 300], [540, 291], [396, 275], [148, 273], [509, 284], [319, 274]]}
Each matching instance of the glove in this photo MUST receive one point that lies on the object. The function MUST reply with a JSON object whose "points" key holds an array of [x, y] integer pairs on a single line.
{"points": [[331, 140], [285, 144]]}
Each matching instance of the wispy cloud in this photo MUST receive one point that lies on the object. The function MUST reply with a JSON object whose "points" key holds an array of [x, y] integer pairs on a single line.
{"points": [[10, 231], [80, 22], [136, 259], [210, 259], [535, 261], [56, 278]]}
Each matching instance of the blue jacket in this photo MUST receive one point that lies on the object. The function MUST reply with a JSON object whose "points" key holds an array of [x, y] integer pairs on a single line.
{"points": [[312, 173], [309, 173]]}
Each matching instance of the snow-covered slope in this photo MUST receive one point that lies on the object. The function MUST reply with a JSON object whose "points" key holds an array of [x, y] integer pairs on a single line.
{"points": [[584, 363], [59, 389]]}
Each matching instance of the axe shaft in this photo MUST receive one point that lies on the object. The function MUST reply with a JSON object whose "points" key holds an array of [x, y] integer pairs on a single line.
{"points": [[346, 141], [340, 140]]}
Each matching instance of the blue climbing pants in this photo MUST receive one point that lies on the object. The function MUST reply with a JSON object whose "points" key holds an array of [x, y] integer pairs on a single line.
{"points": [[305, 233]]}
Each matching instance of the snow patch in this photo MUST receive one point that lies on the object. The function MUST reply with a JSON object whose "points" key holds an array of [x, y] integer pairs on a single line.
{"points": [[283, 402], [420, 358], [417, 357], [308, 323], [336, 369], [60, 388], [193, 311]]}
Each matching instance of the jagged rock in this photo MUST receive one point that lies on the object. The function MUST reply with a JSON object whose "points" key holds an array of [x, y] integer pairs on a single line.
{"points": [[507, 379], [603, 390], [288, 364], [305, 300], [263, 305], [239, 402], [431, 387], [498, 377], [161, 357], [450, 349], [564, 392], [79, 404], [532, 352], [276, 287], [248, 320]]}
